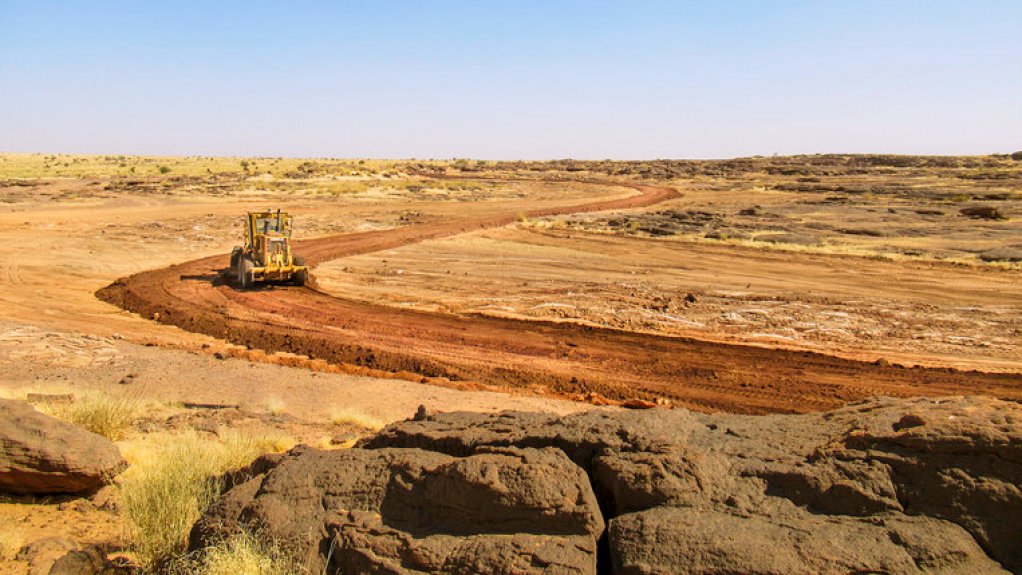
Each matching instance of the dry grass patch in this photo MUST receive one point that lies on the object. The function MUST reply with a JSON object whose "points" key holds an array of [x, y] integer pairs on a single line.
{"points": [[111, 416], [106, 415], [275, 406], [172, 479], [350, 416], [242, 554]]}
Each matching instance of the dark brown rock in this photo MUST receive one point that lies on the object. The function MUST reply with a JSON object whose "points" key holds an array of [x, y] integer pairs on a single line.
{"points": [[934, 482], [88, 561], [53, 546], [982, 212], [409, 510], [43, 553], [43, 455]]}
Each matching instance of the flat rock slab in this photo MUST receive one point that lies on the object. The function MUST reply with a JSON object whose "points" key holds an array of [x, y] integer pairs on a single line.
{"points": [[41, 455]]}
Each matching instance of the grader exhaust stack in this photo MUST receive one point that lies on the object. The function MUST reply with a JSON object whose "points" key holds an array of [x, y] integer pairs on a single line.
{"points": [[267, 255]]}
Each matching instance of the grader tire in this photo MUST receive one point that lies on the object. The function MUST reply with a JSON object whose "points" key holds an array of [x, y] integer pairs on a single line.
{"points": [[245, 276], [301, 277]]}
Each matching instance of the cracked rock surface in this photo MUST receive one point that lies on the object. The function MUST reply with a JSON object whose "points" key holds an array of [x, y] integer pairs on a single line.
{"points": [[885, 485]]}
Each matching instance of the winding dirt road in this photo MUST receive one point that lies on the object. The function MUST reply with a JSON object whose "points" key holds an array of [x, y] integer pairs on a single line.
{"points": [[542, 357]]}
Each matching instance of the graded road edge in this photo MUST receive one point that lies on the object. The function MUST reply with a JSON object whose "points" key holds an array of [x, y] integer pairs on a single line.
{"points": [[535, 356]]}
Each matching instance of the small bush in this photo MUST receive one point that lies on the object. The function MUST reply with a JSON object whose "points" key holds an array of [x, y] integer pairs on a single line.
{"points": [[357, 418], [275, 406], [164, 170], [102, 414], [242, 554], [172, 479]]}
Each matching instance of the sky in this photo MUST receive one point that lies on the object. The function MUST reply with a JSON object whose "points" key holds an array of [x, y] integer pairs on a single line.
{"points": [[514, 79]]}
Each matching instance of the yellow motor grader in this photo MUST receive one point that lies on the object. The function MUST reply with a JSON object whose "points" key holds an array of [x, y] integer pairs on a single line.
{"points": [[267, 254]]}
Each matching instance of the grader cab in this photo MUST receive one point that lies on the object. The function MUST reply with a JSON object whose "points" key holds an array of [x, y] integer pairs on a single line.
{"points": [[267, 254]]}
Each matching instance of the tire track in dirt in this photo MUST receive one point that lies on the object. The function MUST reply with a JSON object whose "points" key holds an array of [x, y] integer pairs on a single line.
{"points": [[536, 356]]}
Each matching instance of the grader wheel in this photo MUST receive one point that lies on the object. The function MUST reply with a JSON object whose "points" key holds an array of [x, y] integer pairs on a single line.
{"points": [[301, 277], [245, 276]]}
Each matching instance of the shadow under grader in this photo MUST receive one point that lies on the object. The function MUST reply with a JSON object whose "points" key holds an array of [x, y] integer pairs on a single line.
{"points": [[226, 277], [215, 279]]}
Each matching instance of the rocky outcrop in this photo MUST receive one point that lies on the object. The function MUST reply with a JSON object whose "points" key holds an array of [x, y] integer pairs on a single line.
{"points": [[886, 485], [893, 486], [41, 455], [413, 511]]}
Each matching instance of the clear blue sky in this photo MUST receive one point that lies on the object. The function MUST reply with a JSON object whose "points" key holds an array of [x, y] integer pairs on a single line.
{"points": [[511, 79]]}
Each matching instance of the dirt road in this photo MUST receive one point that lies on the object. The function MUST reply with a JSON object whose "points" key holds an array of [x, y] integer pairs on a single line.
{"points": [[543, 357]]}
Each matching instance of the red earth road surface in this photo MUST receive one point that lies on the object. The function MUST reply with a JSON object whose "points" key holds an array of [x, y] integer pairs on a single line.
{"points": [[541, 357]]}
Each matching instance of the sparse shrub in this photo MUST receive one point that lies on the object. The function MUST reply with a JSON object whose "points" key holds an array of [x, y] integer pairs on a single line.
{"points": [[357, 418], [164, 170], [164, 495], [242, 554], [100, 413], [171, 481], [275, 406]]}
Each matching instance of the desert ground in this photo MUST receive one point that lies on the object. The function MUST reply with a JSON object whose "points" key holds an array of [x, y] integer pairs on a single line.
{"points": [[747, 286]]}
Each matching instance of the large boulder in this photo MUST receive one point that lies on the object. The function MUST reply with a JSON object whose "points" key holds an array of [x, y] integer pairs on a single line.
{"points": [[883, 485], [403, 511], [41, 455]]}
